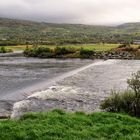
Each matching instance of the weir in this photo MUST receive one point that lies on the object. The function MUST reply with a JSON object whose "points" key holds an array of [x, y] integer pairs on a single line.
{"points": [[82, 89], [23, 93]]}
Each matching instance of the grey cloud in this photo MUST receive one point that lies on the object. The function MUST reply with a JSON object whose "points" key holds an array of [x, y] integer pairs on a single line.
{"points": [[73, 11]]}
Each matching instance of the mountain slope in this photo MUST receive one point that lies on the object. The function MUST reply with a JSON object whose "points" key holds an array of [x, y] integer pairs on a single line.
{"points": [[22, 31]]}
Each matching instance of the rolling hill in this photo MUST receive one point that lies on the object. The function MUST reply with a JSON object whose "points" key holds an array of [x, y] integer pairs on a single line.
{"points": [[14, 31]]}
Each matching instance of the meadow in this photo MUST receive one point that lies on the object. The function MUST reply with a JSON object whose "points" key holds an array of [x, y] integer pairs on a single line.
{"points": [[17, 48], [95, 47], [59, 125]]}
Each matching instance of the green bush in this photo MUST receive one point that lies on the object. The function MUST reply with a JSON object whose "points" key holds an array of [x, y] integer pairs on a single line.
{"points": [[119, 102], [4, 50], [134, 83], [86, 53], [42, 52], [63, 51], [128, 101]]}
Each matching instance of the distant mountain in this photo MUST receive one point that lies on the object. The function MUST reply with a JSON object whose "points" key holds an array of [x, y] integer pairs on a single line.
{"points": [[129, 27], [22, 31], [129, 24]]}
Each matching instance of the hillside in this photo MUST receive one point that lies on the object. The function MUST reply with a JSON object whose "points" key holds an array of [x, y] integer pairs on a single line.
{"points": [[20, 31]]}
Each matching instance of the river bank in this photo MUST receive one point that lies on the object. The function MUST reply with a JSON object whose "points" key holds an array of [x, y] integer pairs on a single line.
{"points": [[64, 52]]}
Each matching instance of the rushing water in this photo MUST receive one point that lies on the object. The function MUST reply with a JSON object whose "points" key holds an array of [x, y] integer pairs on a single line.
{"points": [[82, 89], [75, 85], [19, 73]]}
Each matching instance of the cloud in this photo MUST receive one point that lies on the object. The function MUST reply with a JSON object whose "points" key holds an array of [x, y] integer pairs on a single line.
{"points": [[73, 11]]}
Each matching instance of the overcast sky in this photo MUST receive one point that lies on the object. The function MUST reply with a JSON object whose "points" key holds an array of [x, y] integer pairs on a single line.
{"points": [[73, 11]]}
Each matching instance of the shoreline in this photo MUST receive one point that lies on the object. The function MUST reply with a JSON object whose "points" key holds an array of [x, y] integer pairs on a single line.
{"points": [[12, 54]]}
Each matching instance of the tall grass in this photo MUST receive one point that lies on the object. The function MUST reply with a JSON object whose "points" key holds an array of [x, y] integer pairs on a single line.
{"points": [[126, 102]]}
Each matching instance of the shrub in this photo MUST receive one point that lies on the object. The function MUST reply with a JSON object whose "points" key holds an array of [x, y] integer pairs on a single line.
{"points": [[86, 53], [42, 52], [128, 101], [134, 83], [119, 102], [63, 50], [3, 49]]}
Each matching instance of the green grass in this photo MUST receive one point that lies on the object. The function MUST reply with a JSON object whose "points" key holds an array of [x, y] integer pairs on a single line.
{"points": [[5, 50], [17, 48], [19, 31], [58, 125], [96, 47]]}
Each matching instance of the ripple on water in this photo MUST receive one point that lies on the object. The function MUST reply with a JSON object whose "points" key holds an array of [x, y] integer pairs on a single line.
{"points": [[83, 90]]}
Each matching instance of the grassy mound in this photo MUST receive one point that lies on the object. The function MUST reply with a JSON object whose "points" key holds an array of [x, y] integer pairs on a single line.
{"points": [[58, 125]]}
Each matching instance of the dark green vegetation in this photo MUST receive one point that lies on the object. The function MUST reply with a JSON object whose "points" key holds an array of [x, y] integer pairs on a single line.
{"points": [[103, 51], [96, 47], [58, 125], [126, 102], [13, 32], [4, 50], [58, 52]]}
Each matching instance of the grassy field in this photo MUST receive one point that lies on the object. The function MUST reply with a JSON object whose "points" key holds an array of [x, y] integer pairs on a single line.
{"points": [[58, 125], [96, 47], [17, 48]]}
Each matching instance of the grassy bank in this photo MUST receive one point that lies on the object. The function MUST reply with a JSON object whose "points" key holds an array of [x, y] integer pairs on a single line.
{"points": [[108, 51], [18, 47], [92, 51], [58, 125], [96, 47]]}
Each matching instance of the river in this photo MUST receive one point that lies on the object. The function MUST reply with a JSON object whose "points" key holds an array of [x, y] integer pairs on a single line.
{"points": [[71, 84], [20, 75]]}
